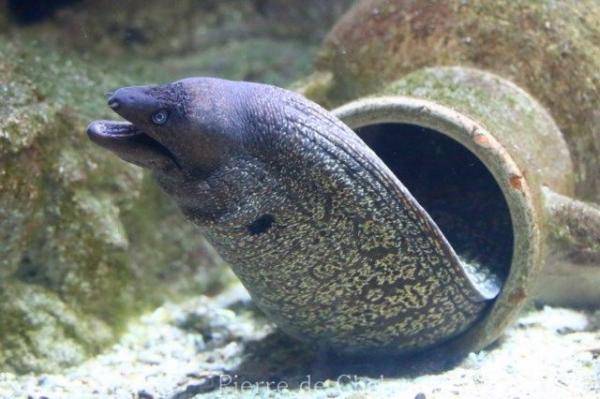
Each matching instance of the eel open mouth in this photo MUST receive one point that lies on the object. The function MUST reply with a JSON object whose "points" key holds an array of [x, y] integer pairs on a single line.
{"points": [[131, 144]]}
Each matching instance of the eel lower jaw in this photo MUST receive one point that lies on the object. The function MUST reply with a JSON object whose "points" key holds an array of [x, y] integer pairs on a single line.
{"points": [[102, 131], [131, 144]]}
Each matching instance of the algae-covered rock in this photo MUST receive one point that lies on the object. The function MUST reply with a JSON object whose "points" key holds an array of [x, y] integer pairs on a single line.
{"points": [[85, 240], [260, 59], [155, 28]]}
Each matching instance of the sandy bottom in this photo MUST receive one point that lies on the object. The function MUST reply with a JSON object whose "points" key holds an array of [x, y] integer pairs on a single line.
{"points": [[222, 347]]}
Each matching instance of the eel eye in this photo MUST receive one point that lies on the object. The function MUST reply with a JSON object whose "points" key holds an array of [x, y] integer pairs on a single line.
{"points": [[160, 117]]}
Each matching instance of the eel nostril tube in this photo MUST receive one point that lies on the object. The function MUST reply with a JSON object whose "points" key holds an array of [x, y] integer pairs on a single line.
{"points": [[113, 103]]}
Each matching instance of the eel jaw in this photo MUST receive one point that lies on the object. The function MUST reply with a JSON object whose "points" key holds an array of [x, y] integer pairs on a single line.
{"points": [[131, 144]]}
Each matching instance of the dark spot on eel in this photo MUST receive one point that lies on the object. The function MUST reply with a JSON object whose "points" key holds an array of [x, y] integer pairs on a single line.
{"points": [[261, 225]]}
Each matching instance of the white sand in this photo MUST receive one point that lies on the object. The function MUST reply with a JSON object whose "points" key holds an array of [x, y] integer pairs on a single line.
{"points": [[173, 351]]}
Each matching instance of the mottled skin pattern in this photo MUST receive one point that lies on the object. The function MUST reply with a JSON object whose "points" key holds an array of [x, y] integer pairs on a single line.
{"points": [[329, 243]]}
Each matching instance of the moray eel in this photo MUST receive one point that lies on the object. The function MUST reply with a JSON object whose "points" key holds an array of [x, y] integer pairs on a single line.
{"points": [[329, 243]]}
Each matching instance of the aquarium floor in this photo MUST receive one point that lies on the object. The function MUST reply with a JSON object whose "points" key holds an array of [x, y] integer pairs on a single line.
{"points": [[193, 349]]}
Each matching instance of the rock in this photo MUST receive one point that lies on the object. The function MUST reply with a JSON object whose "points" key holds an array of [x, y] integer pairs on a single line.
{"points": [[138, 27], [87, 241]]}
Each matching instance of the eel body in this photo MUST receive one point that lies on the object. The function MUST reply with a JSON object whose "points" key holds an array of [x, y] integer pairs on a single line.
{"points": [[329, 243]]}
